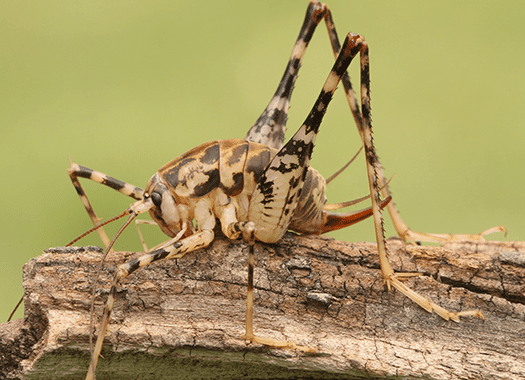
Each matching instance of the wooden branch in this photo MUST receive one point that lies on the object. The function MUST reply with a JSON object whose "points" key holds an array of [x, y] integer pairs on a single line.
{"points": [[184, 318]]}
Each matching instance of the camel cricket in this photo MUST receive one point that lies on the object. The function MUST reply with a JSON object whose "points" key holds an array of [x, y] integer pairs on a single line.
{"points": [[258, 188]]}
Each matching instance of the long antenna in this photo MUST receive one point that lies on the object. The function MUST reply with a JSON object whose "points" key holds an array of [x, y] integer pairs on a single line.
{"points": [[73, 242], [97, 227]]}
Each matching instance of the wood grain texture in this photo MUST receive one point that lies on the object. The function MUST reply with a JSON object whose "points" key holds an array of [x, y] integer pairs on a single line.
{"points": [[183, 318]]}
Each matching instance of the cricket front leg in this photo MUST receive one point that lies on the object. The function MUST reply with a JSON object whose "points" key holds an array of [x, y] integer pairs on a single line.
{"points": [[176, 250], [76, 171]]}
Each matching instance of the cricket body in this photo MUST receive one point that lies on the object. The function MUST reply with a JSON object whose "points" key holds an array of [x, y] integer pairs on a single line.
{"points": [[222, 177], [259, 189], [252, 189]]}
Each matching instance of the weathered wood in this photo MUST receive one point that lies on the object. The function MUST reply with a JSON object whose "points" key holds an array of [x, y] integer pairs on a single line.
{"points": [[183, 319]]}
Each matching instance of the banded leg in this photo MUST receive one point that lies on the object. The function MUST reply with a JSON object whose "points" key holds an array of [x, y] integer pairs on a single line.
{"points": [[269, 128], [176, 250], [274, 118], [278, 189], [390, 277], [75, 171], [401, 228]]}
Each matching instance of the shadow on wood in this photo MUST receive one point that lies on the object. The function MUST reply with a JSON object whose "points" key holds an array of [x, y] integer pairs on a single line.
{"points": [[183, 318]]}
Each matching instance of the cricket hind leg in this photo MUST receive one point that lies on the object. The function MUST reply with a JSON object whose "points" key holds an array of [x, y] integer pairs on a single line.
{"points": [[401, 228], [391, 278], [276, 192], [273, 122], [270, 127]]}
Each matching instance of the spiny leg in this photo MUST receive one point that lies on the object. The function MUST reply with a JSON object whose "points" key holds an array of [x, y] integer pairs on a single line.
{"points": [[401, 228], [365, 130], [278, 188], [273, 114], [390, 277], [75, 171], [269, 129]]}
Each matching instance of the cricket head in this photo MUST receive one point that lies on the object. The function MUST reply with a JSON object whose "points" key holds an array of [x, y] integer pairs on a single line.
{"points": [[162, 206]]}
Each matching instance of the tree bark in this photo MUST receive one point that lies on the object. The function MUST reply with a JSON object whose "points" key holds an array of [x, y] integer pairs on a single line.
{"points": [[184, 318]]}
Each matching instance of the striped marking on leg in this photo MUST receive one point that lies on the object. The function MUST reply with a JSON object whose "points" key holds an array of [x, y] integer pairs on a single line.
{"points": [[279, 187], [122, 187], [75, 171], [270, 127], [372, 163], [178, 249]]}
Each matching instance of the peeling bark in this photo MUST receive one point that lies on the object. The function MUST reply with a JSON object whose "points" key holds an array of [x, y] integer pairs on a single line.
{"points": [[183, 318]]}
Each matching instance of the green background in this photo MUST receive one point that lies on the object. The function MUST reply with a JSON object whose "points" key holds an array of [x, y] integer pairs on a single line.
{"points": [[125, 86]]}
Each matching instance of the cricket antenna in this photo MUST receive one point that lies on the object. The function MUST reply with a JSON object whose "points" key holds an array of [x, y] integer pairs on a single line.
{"points": [[85, 234], [97, 227]]}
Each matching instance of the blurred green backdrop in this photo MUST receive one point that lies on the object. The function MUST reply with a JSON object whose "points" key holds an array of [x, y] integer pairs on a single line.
{"points": [[125, 86]]}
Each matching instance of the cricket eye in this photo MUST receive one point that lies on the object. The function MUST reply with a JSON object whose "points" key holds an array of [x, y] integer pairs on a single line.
{"points": [[156, 198]]}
